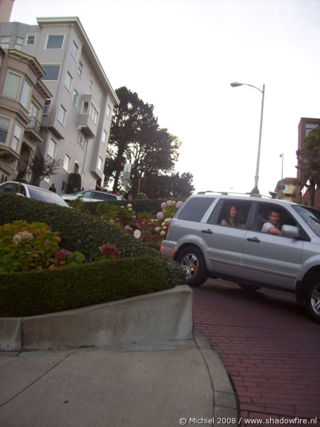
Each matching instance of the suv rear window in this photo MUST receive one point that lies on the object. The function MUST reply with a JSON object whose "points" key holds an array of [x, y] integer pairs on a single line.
{"points": [[195, 208]]}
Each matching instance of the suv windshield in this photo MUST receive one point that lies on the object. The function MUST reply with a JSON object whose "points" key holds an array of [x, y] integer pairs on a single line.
{"points": [[311, 216]]}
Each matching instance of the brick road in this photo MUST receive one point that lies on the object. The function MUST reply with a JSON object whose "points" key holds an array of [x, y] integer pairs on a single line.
{"points": [[269, 348]]}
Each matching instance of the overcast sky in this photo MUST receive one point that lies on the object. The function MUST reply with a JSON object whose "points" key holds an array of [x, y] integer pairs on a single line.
{"points": [[182, 55]]}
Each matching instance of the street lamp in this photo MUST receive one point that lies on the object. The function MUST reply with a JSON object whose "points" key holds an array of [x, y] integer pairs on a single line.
{"points": [[256, 178]]}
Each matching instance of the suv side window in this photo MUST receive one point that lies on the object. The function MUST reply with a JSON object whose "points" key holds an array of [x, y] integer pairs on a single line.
{"points": [[264, 211], [232, 213], [195, 208], [9, 188]]}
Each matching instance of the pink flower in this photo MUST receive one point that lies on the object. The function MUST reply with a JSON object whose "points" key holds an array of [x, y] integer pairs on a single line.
{"points": [[163, 205], [127, 227], [160, 215]]}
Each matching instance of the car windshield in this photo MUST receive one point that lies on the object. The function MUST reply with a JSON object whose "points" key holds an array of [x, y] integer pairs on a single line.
{"points": [[311, 216], [46, 196]]}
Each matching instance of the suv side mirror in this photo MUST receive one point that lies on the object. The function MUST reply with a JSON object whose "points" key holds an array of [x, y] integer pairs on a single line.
{"points": [[290, 231]]}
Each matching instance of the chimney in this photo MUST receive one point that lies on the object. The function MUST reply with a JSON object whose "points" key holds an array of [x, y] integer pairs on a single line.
{"points": [[5, 10]]}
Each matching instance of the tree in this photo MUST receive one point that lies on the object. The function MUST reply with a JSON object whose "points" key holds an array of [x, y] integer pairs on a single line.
{"points": [[135, 136], [161, 186], [309, 162], [42, 168]]}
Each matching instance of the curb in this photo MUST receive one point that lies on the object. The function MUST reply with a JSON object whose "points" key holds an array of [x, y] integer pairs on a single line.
{"points": [[154, 318], [225, 401]]}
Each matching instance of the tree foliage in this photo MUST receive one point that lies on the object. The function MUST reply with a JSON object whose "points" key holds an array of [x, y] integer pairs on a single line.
{"points": [[161, 186], [136, 137], [43, 168], [309, 162]]}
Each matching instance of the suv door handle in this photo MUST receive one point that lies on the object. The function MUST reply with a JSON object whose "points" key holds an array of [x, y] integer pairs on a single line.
{"points": [[207, 231], [253, 239]]}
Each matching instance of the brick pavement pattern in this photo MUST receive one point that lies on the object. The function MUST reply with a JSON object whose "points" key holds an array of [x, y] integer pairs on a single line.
{"points": [[270, 349]]}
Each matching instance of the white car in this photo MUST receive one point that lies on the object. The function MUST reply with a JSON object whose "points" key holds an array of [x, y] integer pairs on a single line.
{"points": [[92, 196], [32, 192]]}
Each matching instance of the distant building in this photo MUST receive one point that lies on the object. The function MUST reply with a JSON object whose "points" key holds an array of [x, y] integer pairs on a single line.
{"points": [[286, 189], [303, 195], [76, 120]]}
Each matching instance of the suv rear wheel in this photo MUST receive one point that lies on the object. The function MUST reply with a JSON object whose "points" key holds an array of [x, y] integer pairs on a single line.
{"points": [[192, 260], [313, 299]]}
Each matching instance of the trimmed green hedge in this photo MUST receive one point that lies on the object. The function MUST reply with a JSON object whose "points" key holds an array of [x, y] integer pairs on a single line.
{"points": [[81, 232], [78, 231], [48, 291], [151, 206]]}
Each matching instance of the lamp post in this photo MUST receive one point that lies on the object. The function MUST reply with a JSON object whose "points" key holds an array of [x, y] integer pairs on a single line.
{"points": [[256, 178]]}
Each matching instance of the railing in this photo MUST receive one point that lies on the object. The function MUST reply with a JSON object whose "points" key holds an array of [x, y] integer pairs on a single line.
{"points": [[34, 124]]}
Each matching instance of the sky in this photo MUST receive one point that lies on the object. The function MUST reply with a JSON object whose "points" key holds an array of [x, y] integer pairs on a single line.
{"points": [[182, 55]]}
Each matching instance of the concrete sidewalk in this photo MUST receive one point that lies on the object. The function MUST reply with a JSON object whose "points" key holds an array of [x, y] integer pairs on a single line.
{"points": [[134, 386]]}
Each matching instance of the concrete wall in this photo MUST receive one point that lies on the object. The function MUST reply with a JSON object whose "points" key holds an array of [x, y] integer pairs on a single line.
{"points": [[148, 319]]}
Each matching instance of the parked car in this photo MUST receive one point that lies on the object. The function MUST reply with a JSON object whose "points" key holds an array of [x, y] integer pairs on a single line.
{"points": [[209, 240], [32, 192], [91, 196]]}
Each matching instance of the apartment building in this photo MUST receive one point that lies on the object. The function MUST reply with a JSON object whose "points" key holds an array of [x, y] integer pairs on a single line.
{"points": [[22, 99], [76, 119]]}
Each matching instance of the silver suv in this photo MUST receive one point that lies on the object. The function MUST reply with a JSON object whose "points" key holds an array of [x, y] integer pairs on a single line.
{"points": [[252, 241]]}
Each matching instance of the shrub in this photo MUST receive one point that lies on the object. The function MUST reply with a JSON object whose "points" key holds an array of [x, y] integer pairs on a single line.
{"points": [[74, 183], [25, 247], [78, 231], [45, 291], [81, 232]]}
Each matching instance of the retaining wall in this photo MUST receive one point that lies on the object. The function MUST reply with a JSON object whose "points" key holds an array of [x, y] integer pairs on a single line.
{"points": [[148, 319]]}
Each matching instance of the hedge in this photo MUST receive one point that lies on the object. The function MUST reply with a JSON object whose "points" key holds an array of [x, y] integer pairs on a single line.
{"points": [[49, 291], [151, 205], [78, 231], [81, 232]]}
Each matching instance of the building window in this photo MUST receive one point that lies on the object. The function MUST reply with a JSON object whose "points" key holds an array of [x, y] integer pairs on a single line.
{"points": [[54, 42], [93, 113], [25, 94], [5, 42], [31, 39], [61, 114], [68, 81], [66, 162], [19, 43], [51, 148], [75, 97], [74, 50], [80, 69], [104, 138], [12, 85], [81, 140], [46, 107], [108, 111], [16, 137], [52, 72], [34, 111], [91, 84], [100, 161], [4, 128]]}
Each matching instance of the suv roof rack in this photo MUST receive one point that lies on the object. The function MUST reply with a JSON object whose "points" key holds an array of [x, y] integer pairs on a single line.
{"points": [[227, 193]]}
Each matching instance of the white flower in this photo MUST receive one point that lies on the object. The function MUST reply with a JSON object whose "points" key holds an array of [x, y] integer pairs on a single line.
{"points": [[162, 233], [157, 229], [22, 238]]}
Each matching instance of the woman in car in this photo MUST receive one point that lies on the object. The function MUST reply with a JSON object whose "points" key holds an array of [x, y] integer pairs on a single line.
{"points": [[232, 220]]}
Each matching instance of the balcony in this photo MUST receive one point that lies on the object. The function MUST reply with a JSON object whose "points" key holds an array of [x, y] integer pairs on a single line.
{"points": [[7, 154], [32, 129]]}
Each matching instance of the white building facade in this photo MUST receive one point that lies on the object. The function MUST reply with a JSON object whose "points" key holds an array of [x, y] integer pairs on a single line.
{"points": [[76, 120]]}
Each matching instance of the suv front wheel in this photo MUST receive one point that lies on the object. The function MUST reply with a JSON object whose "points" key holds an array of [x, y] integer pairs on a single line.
{"points": [[192, 261], [313, 299]]}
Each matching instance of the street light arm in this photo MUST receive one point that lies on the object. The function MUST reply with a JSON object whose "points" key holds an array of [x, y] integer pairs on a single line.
{"points": [[236, 84]]}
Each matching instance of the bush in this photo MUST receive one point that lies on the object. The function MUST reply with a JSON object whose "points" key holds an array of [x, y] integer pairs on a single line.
{"points": [[82, 233], [78, 231], [74, 183], [45, 291]]}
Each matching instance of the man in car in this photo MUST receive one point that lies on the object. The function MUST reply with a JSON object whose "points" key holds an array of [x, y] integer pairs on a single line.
{"points": [[273, 224]]}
